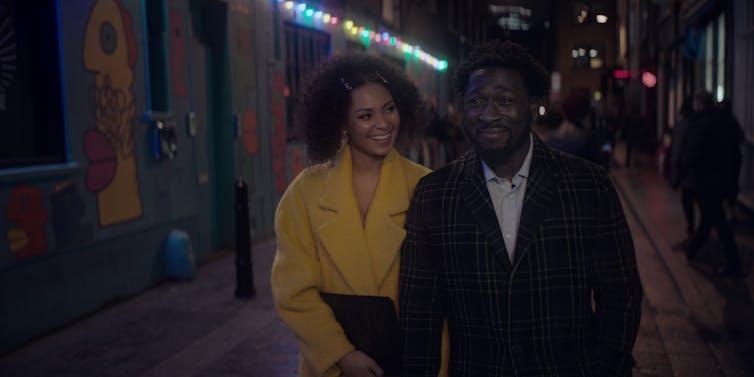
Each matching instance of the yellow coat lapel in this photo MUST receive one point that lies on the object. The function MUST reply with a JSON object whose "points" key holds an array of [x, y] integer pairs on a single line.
{"points": [[364, 255], [384, 223]]}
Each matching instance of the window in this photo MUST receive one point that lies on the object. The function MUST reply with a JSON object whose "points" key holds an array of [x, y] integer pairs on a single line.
{"points": [[714, 58], [588, 56], [304, 48], [32, 129], [589, 13]]}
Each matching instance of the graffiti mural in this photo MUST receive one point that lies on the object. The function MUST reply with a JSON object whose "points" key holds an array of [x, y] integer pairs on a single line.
{"points": [[110, 54], [68, 212], [278, 131], [27, 217], [178, 54], [249, 135]]}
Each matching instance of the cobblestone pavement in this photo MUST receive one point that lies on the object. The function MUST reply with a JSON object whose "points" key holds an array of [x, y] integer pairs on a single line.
{"points": [[692, 324]]}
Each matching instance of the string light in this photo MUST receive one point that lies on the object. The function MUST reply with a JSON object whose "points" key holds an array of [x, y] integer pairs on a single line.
{"points": [[314, 16]]}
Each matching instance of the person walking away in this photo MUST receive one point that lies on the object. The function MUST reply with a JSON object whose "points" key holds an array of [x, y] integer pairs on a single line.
{"points": [[709, 158], [679, 179]]}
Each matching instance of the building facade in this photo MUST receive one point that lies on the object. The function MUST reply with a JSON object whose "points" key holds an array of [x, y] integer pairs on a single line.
{"points": [[124, 120]]}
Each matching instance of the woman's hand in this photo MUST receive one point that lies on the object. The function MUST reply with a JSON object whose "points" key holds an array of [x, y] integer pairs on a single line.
{"points": [[358, 364]]}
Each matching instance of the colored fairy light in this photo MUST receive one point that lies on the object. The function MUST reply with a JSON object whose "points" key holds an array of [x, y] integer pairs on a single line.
{"points": [[369, 36]]}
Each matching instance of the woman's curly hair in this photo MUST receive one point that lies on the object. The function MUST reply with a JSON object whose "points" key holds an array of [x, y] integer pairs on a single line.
{"points": [[507, 54], [325, 99]]}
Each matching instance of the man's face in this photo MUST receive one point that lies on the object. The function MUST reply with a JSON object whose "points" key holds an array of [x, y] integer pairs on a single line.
{"points": [[497, 114]]}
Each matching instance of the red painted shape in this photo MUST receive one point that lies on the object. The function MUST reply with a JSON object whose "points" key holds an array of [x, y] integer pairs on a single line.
{"points": [[102, 161], [26, 210], [278, 131], [178, 54], [128, 24], [249, 136]]}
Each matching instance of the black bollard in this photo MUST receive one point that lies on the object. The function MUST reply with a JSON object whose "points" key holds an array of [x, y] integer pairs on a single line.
{"points": [[244, 273]]}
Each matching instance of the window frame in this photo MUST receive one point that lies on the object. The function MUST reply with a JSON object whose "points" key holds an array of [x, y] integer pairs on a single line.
{"points": [[46, 166]]}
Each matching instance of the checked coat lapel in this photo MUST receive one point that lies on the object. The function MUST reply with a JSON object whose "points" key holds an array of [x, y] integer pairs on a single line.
{"points": [[540, 190], [540, 187]]}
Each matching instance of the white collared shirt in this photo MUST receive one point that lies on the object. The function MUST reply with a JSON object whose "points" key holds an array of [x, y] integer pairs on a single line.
{"points": [[508, 198]]}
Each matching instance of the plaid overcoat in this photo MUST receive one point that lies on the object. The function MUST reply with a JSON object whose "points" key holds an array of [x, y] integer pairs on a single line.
{"points": [[567, 305]]}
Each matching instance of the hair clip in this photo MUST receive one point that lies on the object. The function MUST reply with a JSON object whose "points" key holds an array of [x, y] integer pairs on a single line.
{"points": [[381, 77], [346, 84]]}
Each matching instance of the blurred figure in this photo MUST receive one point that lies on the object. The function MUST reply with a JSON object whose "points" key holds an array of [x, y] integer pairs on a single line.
{"points": [[574, 135], [684, 181], [547, 124], [709, 154], [633, 131], [733, 129]]}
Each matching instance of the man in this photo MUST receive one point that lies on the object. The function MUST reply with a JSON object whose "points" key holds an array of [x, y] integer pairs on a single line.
{"points": [[513, 242], [711, 156]]}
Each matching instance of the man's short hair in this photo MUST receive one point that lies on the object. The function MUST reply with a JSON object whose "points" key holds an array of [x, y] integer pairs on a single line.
{"points": [[504, 54]]}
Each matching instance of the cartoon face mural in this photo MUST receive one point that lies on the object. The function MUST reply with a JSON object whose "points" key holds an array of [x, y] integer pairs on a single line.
{"points": [[25, 210], [110, 54]]}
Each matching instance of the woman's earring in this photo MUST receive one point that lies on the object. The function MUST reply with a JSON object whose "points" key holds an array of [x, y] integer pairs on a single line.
{"points": [[344, 137]]}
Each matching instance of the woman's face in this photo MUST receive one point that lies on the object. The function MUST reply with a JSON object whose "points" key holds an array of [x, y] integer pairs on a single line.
{"points": [[372, 121]]}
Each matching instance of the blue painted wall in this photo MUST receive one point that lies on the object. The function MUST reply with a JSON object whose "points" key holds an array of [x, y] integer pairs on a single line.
{"points": [[88, 231]]}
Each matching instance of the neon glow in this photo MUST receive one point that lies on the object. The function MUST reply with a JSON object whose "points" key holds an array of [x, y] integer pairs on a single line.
{"points": [[354, 31], [648, 79]]}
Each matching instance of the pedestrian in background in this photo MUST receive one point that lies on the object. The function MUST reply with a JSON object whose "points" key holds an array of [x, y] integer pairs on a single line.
{"points": [[733, 129], [339, 225], [678, 178], [633, 132], [575, 134], [710, 157], [514, 242]]}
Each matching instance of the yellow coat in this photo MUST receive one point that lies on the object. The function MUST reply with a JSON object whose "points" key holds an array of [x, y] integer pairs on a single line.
{"points": [[322, 247]]}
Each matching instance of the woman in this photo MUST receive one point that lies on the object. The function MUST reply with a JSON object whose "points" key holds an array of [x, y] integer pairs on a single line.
{"points": [[339, 225]]}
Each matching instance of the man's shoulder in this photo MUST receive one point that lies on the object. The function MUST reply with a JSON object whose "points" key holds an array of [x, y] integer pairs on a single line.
{"points": [[567, 167]]}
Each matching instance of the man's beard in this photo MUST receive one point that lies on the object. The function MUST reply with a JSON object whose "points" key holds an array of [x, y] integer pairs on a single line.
{"points": [[501, 155]]}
